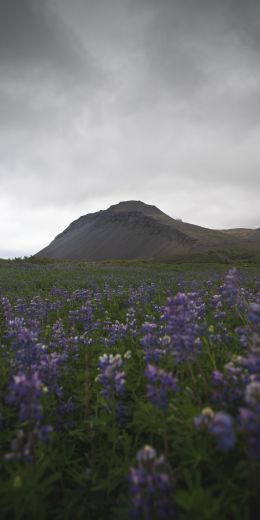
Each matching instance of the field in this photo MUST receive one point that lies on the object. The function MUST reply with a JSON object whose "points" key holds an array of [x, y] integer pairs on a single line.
{"points": [[129, 390]]}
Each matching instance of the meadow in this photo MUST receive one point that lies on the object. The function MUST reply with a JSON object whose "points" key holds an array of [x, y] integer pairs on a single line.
{"points": [[129, 390]]}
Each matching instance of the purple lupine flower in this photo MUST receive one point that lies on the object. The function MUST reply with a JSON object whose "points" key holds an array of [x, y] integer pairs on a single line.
{"points": [[37, 372], [150, 487], [25, 391], [48, 368], [59, 292], [149, 327], [217, 377], [222, 428], [252, 361], [24, 343], [117, 331], [131, 321], [112, 379], [153, 346], [181, 322], [254, 313], [216, 302], [81, 294], [229, 385], [249, 418], [249, 423], [34, 356], [229, 289], [20, 306], [7, 309], [38, 308], [252, 394], [250, 335], [245, 336], [220, 425], [82, 317], [246, 419], [161, 385], [19, 334], [58, 337]]}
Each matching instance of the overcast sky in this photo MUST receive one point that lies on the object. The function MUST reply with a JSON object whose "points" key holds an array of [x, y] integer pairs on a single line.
{"points": [[110, 100]]}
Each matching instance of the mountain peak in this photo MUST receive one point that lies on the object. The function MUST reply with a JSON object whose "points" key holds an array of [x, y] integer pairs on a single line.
{"points": [[134, 230], [134, 205]]}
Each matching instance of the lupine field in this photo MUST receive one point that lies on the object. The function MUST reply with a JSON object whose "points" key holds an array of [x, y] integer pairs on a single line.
{"points": [[129, 391]]}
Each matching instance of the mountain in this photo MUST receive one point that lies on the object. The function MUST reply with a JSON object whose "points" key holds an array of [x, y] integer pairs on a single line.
{"points": [[135, 230], [249, 234]]}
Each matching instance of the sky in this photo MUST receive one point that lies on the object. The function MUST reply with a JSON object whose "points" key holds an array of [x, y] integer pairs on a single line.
{"points": [[110, 100]]}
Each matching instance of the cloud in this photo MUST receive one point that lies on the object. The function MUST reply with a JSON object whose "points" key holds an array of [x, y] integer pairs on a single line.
{"points": [[109, 100], [44, 67], [34, 39]]}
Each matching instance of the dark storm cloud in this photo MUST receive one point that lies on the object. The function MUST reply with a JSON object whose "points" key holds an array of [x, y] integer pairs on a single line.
{"points": [[47, 75], [203, 53], [43, 64], [33, 39], [26, 33], [102, 100]]}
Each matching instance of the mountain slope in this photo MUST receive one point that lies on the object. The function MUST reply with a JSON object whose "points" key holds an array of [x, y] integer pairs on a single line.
{"points": [[134, 230]]}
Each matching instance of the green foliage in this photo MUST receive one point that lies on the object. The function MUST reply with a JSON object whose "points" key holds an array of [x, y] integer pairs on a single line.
{"points": [[82, 472]]}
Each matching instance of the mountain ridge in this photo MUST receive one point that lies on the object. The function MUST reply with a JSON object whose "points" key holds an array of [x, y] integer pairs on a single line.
{"points": [[135, 230]]}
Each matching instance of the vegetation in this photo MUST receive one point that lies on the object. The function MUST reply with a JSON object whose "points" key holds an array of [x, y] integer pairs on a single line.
{"points": [[129, 390]]}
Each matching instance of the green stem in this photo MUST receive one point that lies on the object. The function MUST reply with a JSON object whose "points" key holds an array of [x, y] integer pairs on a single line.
{"points": [[165, 435]]}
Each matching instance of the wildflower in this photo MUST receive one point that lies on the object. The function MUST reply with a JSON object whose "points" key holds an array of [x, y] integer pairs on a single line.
{"points": [[229, 289], [58, 338], [161, 385], [220, 425], [180, 320], [222, 428], [249, 423], [229, 385], [153, 347], [7, 309], [204, 418], [252, 361], [250, 335], [254, 313], [112, 379], [147, 453], [151, 487], [25, 391], [252, 393]]}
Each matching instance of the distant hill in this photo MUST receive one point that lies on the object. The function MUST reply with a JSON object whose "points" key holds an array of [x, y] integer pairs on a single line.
{"points": [[134, 230]]}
